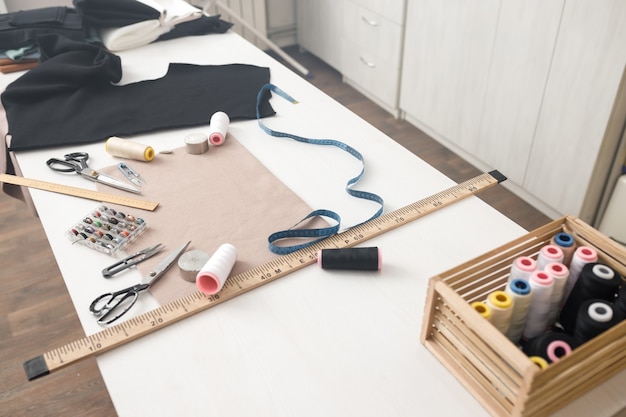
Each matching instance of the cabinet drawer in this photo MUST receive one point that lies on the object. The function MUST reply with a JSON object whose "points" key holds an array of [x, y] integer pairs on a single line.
{"points": [[378, 35], [390, 9], [371, 73]]}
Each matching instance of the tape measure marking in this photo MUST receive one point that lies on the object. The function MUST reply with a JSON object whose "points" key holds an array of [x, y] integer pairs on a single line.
{"points": [[184, 307], [79, 192]]}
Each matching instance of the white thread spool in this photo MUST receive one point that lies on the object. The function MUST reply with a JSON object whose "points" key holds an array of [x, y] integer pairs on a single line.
{"points": [[482, 309], [559, 273], [522, 267], [541, 287], [191, 262], [501, 305], [196, 143], [548, 254], [218, 127], [214, 273], [520, 292], [124, 148], [582, 256]]}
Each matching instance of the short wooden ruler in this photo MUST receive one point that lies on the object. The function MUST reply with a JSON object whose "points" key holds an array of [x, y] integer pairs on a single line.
{"points": [[149, 322], [79, 192]]}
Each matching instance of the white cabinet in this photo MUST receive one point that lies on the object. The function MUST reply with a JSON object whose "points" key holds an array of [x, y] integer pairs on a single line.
{"points": [[362, 39], [319, 29], [526, 87], [447, 52]]}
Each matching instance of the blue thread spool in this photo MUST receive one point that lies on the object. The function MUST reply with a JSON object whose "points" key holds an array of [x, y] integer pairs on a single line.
{"points": [[353, 259]]}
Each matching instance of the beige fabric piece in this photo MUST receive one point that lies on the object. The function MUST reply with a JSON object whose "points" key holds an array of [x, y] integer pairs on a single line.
{"points": [[222, 196]]}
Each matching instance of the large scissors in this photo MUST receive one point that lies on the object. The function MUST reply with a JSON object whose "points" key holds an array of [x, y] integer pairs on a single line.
{"points": [[111, 306], [77, 162]]}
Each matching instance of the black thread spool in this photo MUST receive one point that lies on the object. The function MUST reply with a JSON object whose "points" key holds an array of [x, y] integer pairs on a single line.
{"points": [[354, 259], [594, 317], [596, 281], [620, 302], [551, 346]]}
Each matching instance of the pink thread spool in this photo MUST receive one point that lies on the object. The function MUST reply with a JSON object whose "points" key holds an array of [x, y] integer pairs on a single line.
{"points": [[522, 268], [214, 273], [218, 127], [548, 254]]}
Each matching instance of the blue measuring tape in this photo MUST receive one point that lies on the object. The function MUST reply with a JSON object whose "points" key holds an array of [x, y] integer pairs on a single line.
{"points": [[316, 234]]}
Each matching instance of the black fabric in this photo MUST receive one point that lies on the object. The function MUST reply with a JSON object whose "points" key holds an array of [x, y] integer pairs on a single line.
{"points": [[21, 28], [201, 26], [114, 13], [70, 98]]}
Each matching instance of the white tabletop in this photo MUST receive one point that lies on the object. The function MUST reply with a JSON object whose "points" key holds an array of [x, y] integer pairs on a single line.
{"points": [[314, 343]]}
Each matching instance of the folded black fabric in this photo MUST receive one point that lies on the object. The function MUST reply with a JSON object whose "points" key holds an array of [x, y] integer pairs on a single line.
{"points": [[201, 26], [71, 98], [114, 13], [19, 29]]}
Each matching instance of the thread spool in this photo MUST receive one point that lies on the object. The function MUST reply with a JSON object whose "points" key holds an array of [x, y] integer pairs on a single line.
{"points": [[582, 256], [548, 254], [355, 259], [214, 273], [190, 263], [522, 268], [620, 302], [482, 309], [551, 346], [541, 287], [124, 148], [218, 127], [559, 273], [501, 305], [566, 242], [594, 317], [519, 291], [539, 361], [596, 281], [196, 143]]}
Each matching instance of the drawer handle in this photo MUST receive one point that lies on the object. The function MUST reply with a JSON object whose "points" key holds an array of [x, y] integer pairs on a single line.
{"points": [[368, 63], [369, 22]]}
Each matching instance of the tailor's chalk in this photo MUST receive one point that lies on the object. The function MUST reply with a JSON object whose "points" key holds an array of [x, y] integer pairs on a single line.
{"points": [[354, 259], [214, 273]]}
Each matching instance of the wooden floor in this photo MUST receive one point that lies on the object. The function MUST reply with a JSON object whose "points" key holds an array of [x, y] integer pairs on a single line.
{"points": [[36, 313]]}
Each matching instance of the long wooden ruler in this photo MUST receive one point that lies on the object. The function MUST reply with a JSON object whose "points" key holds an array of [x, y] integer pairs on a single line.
{"points": [[180, 309], [79, 192]]}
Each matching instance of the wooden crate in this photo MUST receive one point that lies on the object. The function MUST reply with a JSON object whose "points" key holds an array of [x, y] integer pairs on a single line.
{"points": [[492, 368]]}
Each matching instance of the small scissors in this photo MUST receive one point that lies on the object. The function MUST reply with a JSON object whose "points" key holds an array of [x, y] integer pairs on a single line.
{"points": [[131, 260], [77, 162], [111, 306]]}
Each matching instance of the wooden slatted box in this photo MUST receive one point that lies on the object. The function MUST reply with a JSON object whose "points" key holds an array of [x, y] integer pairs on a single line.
{"points": [[492, 368]]}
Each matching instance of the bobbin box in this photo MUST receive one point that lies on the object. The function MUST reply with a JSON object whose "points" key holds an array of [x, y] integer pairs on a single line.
{"points": [[492, 368]]}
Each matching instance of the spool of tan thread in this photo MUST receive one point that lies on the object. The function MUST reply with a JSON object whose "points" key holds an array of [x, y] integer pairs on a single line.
{"points": [[128, 149]]}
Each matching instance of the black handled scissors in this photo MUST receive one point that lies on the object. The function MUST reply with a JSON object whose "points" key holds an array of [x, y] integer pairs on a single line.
{"points": [[111, 306], [77, 162]]}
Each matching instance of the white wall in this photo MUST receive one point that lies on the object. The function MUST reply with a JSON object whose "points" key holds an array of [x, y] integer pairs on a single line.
{"points": [[15, 5]]}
